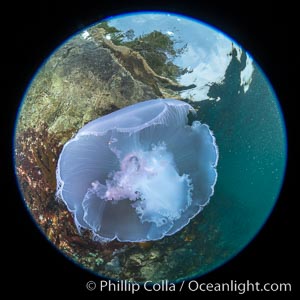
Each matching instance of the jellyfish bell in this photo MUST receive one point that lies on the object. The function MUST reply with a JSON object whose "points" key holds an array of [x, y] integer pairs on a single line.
{"points": [[139, 173]]}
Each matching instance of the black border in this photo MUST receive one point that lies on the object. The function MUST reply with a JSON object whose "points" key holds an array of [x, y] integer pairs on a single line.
{"points": [[32, 31]]}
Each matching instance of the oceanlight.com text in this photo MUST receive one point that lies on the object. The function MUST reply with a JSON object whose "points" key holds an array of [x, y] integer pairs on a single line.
{"points": [[239, 287]]}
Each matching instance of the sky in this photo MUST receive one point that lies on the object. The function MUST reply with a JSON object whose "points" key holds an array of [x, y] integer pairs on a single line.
{"points": [[207, 53]]}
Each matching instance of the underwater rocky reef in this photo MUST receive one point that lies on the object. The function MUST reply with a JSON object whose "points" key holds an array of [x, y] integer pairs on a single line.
{"points": [[83, 80]]}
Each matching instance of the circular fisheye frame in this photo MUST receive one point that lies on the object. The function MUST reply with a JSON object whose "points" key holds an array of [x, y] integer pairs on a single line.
{"points": [[150, 146]]}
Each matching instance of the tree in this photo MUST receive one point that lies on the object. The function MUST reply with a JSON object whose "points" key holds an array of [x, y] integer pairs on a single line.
{"points": [[157, 48], [114, 34], [159, 51]]}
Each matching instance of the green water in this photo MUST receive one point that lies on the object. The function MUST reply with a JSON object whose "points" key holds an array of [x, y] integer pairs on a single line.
{"points": [[250, 133]]}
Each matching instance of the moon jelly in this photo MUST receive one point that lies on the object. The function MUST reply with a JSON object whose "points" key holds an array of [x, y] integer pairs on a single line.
{"points": [[139, 173]]}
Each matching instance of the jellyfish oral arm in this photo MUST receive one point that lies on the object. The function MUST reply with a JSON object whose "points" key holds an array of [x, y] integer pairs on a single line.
{"points": [[149, 179]]}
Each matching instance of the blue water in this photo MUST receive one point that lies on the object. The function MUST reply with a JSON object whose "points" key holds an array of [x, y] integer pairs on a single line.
{"points": [[250, 133]]}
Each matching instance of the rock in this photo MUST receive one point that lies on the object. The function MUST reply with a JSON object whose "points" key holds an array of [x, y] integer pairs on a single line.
{"points": [[99, 261], [153, 271], [113, 266], [154, 254], [79, 83], [136, 259]]}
